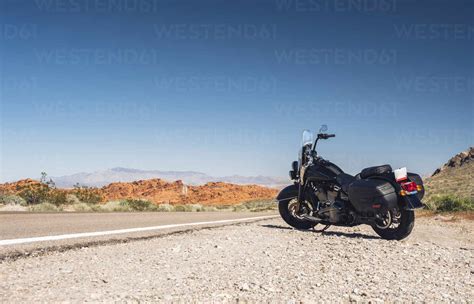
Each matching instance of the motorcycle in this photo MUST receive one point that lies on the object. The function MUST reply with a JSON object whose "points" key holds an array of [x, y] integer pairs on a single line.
{"points": [[322, 194]]}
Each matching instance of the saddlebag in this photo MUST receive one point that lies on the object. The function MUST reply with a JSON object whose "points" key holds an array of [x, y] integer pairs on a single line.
{"points": [[372, 195]]}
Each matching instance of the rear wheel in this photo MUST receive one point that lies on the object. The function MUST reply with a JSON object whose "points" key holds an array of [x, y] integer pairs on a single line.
{"points": [[291, 213], [395, 224]]}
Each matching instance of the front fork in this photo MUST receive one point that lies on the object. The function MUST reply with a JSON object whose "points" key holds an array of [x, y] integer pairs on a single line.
{"points": [[303, 196], [300, 193], [301, 185]]}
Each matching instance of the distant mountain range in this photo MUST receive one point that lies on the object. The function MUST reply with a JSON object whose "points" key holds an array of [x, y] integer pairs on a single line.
{"points": [[105, 177]]}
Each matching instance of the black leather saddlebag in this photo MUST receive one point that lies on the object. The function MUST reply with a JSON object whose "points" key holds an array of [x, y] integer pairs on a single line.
{"points": [[372, 195]]}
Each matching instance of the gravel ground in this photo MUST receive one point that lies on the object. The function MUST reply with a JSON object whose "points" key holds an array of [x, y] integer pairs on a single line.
{"points": [[256, 262]]}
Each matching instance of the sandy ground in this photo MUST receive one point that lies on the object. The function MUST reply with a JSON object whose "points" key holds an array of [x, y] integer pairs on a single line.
{"points": [[255, 262]]}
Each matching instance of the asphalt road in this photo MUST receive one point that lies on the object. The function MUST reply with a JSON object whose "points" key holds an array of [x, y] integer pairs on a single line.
{"points": [[30, 233]]}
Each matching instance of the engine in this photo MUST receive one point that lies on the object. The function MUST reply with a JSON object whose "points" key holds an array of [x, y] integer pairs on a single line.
{"points": [[332, 208]]}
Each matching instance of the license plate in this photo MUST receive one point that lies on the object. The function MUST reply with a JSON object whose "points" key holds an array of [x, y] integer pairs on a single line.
{"points": [[400, 174], [413, 202]]}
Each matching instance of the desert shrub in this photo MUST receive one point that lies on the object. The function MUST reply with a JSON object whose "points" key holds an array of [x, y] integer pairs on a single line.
{"points": [[44, 207], [447, 203], [81, 207], [188, 208], [256, 206], [179, 208], [9, 199], [165, 208], [116, 206], [56, 197], [138, 205], [239, 208], [96, 207], [43, 192], [224, 207], [429, 204], [71, 199], [126, 206], [194, 208], [152, 207], [209, 209], [87, 195], [34, 194]]}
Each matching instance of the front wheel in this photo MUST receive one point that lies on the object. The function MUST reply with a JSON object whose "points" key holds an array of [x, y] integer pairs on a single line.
{"points": [[290, 212], [395, 224]]}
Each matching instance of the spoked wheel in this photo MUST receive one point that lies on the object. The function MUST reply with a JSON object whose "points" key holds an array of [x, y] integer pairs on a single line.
{"points": [[395, 224], [291, 212]]}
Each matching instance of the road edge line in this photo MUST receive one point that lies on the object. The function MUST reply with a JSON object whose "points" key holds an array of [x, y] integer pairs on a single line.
{"points": [[68, 236], [37, 252]]}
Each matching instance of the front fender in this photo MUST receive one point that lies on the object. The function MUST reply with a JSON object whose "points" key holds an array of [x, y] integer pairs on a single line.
{"points": [[288, 193]]}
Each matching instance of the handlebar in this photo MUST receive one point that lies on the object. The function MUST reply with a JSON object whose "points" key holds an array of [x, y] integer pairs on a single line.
{"points": [[321, 136], [325, 136]]}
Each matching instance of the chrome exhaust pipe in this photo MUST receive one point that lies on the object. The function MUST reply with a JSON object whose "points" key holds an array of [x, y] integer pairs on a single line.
{"points": [[311, 218]]}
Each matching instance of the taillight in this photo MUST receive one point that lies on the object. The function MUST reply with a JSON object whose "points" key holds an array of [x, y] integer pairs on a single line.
{"points": [[409, 187]]}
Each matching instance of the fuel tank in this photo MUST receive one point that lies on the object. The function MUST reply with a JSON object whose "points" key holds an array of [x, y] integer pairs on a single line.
{"points": [[322, 171]]}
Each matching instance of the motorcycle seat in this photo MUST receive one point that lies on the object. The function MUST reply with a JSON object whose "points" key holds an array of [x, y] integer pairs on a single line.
{"points": [[345, 180], [377, 170]]}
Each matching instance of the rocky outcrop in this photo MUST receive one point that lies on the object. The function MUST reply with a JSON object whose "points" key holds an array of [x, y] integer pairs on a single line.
{"points": [[459, 160], [15, 187], [454, 178]]}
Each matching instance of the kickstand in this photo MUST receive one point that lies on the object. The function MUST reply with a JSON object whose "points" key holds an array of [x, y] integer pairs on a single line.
{"points": [[322, 230]]}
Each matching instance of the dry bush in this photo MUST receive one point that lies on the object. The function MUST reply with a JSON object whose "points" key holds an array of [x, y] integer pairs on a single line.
{"points": [[87, 195], [450, 203]]}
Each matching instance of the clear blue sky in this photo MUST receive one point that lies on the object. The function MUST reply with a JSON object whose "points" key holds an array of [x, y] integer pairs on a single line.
{"points": [[226, 87]]}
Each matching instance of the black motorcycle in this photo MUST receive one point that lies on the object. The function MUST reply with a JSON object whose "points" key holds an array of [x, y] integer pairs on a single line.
{"points": [[323, 194]]}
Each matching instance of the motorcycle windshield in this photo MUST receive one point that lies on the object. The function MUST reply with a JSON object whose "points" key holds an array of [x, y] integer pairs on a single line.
{"points": [[307, 138]]}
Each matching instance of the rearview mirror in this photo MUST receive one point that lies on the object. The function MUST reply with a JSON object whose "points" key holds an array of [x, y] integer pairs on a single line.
{"points": [[294, 166]]}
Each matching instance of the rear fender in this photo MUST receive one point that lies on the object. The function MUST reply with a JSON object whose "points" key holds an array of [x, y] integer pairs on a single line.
{"points": [[413, 177], [411, 202]]}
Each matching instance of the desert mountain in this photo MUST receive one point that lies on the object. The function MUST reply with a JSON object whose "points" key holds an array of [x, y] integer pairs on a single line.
{"points": [[105, 177], [454, 177], [160, 191]]}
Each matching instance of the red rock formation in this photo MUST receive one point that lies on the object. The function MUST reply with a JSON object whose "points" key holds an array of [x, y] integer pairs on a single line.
{"points": [[159, 191], [15, 187]]}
